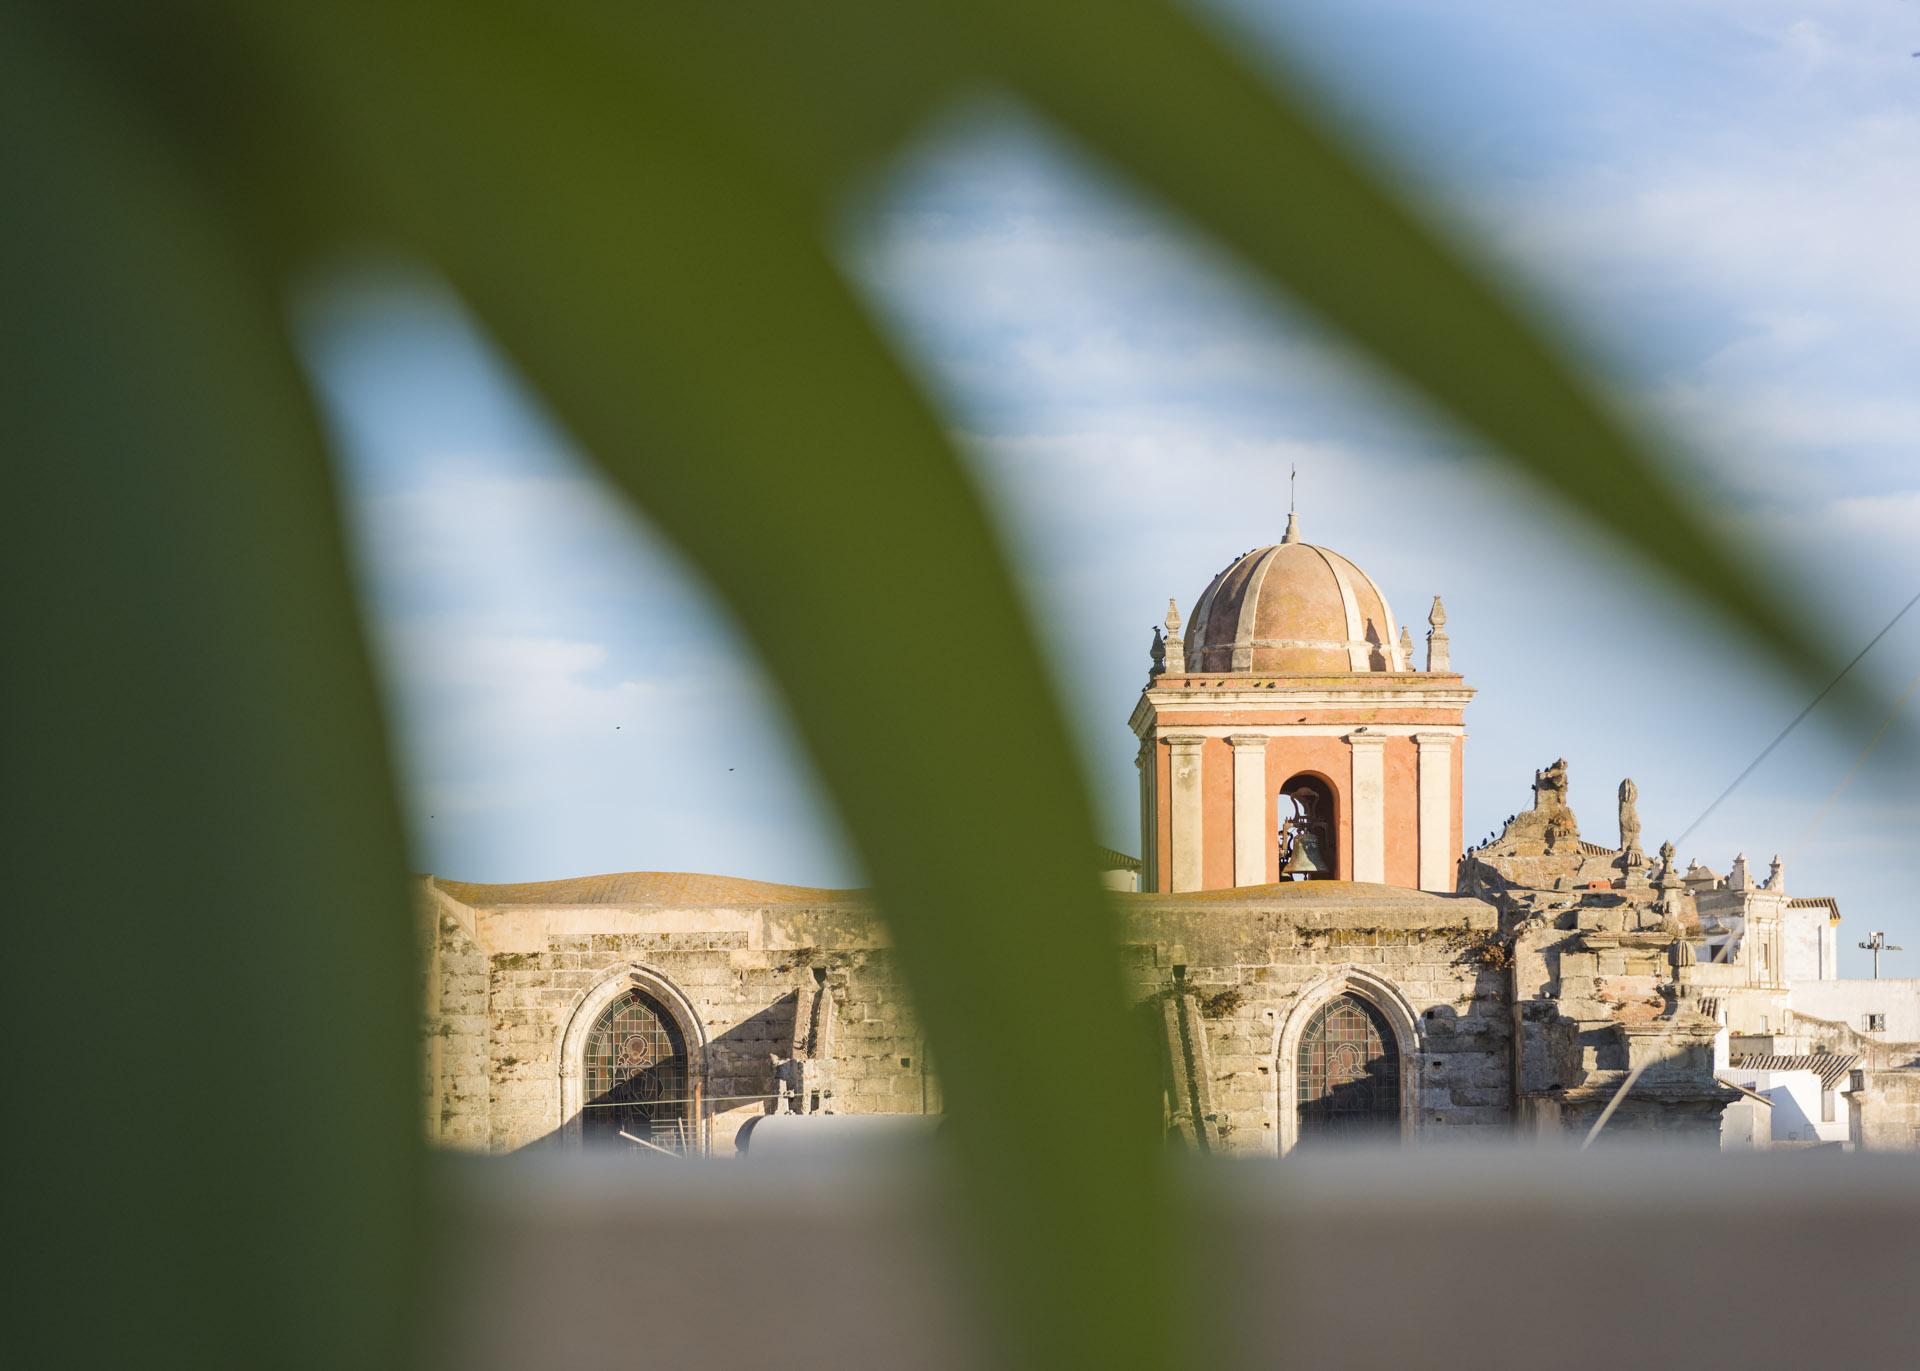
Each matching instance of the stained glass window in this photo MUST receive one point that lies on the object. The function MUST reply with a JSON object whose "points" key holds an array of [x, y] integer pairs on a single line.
{"points": [[1349, 1074], [638, 1089]]}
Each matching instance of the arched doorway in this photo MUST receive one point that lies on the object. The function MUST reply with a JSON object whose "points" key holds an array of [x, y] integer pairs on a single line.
{"points": [[1347, 1074], [637, 1085], [1309, 829]]}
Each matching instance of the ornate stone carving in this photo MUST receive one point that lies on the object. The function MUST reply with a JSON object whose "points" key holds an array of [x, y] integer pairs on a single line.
{"points": [[1438, 657], [1630, 854], [1550, 786], [1172, 646]]}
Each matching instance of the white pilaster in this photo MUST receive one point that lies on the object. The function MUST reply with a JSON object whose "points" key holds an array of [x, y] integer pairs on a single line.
{"points": [[1142, 763], [1189, 871], [1369, 806], [1249, 809], [1436, 812]]}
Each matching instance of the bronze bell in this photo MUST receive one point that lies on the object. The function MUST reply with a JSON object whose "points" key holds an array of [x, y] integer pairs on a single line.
{"points": [[1305, 859]]}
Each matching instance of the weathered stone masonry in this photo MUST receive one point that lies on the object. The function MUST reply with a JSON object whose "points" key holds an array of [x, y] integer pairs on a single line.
{"points": [[796, 1002]]}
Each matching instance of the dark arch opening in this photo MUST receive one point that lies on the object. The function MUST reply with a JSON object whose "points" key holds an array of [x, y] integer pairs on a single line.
{"points": [[638, 1086], [1309, 829], [1347, 1082]]}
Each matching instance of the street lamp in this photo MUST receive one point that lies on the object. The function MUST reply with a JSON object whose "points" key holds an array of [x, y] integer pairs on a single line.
{"points": [[1877, 943]]}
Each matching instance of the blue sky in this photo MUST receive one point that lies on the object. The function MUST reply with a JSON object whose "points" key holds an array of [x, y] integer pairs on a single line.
{"points": [[1720, 199]]}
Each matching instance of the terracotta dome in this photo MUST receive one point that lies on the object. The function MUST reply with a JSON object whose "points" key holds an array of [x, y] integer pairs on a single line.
{"points": [[1293, 609]]}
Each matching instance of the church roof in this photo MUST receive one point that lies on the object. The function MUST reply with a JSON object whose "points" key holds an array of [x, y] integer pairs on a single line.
{"points": [[674, 889], [1293, 609]]}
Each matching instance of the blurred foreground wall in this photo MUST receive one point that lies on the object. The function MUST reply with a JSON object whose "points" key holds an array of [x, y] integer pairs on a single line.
{"points": [[1494, 1257]]}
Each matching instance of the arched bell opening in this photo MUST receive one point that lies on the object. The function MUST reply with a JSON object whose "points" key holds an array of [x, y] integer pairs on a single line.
{"points": [[1309, 829]]}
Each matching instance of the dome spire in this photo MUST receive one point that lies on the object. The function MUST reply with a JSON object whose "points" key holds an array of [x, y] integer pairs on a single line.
{"points": [[1438, 657], [1173, 647], [1293, 516]]}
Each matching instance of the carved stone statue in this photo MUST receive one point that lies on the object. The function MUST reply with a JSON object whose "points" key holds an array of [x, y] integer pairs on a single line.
{"points": [[1550, 786], [1667, 857], [1630, 853], [1552, 819]]}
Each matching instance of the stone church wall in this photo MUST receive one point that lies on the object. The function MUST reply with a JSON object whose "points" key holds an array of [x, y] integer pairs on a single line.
{"points": [[456, 1077], [743, 971], [1250, 967], [797, 992]]}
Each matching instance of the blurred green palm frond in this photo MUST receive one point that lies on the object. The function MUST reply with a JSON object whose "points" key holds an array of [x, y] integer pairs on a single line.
{"points": [[634, 200]]}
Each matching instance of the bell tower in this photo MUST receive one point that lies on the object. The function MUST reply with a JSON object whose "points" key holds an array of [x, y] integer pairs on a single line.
{"points": [[1287, 734]]}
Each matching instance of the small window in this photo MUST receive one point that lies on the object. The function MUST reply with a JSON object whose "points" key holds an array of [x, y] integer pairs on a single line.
{"points": [[1826, 1105], [1875, 1023]]}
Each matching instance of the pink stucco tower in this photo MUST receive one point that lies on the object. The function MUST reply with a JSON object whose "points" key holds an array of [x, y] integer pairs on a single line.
{"points": [[1292, 694]]}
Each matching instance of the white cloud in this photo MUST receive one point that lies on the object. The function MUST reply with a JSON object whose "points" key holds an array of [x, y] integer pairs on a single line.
{"points": [[568, 697], [1733, 209]]}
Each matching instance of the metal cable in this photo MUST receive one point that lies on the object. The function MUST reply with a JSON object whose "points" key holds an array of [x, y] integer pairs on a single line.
{"points": [[1847, 780], [1767, 751]]}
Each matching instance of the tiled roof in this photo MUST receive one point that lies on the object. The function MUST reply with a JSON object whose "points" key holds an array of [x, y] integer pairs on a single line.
{"points": [[1111, 860], [1828, 1066], [1826, 902]]}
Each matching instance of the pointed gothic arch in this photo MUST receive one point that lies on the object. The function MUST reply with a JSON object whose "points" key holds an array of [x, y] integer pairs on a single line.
{"points": [[635, 1053], [1382, 1009]]}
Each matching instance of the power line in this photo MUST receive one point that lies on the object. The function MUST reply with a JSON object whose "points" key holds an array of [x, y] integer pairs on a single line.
{"points": [[1766, 752], [1852, 771]]}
